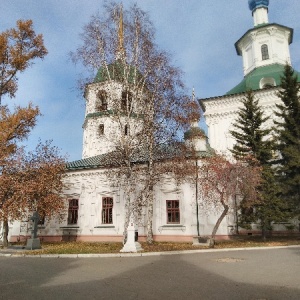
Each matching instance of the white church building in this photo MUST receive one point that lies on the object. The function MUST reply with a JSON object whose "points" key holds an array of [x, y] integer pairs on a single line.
{"points": [[96, 210], [265, 51]]}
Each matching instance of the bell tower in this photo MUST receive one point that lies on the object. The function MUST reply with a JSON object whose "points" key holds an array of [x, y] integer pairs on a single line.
{"points": [[265, 50], [265, 44], [110, 104]]}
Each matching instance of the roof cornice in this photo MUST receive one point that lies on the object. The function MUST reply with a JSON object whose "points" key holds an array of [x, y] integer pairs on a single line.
{"points": [[291, 30]]}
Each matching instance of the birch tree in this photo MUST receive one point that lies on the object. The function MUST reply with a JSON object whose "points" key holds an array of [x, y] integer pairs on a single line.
{"points": [[120, 45]]}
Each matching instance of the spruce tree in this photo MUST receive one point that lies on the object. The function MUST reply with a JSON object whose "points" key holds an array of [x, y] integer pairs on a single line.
{"points": [[249, 134], [288, 139], [253, 140]]}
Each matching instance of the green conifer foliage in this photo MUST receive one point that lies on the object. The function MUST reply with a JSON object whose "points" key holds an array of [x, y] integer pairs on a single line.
{"points": [[288, 138], [249, 132], [253, 139]]}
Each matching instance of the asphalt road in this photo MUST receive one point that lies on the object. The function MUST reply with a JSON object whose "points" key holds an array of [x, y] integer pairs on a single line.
{"points": [[254, 275]]}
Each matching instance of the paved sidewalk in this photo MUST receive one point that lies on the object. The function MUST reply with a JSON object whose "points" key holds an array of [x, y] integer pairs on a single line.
{"points": [[19, 251], [272, 273]]}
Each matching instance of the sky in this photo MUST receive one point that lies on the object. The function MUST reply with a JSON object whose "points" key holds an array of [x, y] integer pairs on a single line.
{"points": [[199, 34]]}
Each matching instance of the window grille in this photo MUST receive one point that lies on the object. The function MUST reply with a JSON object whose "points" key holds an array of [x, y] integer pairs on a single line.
{"points": [[126, 100], [73, 212], [264, 52], [101, 103], [41, 220], [101, 129], [107, 209], [173, 212]]}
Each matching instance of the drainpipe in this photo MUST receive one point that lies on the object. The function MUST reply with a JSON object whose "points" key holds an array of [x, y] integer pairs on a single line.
{"points": [[196, 192]]}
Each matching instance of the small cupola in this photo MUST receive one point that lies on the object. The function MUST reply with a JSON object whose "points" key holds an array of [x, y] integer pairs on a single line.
{"points": [[195, 137], [259, 10]]}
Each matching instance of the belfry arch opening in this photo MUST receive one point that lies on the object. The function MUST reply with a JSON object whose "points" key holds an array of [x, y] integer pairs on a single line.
{"points": [[267, 82], [101, 102]]}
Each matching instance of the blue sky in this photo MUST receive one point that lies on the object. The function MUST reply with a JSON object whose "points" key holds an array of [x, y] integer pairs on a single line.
{"points": [[200, 35]]}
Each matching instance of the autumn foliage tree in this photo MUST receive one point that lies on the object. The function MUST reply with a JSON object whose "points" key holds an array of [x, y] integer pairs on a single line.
{"points": [[28, 181], [119, 46], [19, 47], [15, 127], [32, 182], [221, 180]]}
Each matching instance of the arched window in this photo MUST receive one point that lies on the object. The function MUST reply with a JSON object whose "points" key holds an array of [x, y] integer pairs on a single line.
{"points": [[264, 52], [267, 82], [101, 102], [126, 130], [126, 100]]}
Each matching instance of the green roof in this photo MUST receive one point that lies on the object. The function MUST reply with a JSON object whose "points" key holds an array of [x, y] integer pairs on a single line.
{"points": [[162, 152], [251, 81], [116, 71], [88, 163]]}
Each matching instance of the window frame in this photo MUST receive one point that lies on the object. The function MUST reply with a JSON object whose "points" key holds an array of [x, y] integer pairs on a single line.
{"points": [[107, 210], [41, 220], [173, 211], [265, 52], [126, 100], [101, 101], [73, 211], [101, 129]]}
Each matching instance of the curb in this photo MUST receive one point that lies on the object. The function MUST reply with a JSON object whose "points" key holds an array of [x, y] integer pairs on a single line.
{"points": [[141, 254]]}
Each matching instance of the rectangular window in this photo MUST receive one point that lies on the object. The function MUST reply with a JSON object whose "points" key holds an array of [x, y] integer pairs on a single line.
{"points": [[41, 220], [107, 210], [101, 102], [126, 101], [101, 129], [264, 52], [73, 212], [173, 212]]}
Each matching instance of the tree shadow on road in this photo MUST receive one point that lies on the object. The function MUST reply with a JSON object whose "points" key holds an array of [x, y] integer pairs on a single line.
{"points": [[155, 277]]}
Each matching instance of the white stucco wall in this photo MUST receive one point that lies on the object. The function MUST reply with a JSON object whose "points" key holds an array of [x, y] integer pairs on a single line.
{"points": [[221, 113], [93, 143], [276, 37]]}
